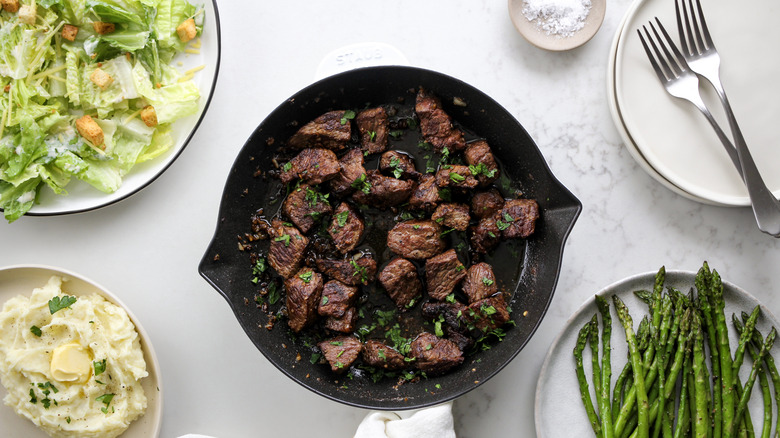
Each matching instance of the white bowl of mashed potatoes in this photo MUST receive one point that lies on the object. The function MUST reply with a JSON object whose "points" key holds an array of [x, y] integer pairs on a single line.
{"points": [[74, 361]]}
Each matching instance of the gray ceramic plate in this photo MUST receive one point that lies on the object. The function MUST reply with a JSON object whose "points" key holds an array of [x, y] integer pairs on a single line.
{"points": [[559, 410]]}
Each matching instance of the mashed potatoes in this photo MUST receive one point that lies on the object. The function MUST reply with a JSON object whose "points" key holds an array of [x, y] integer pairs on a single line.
{"points": [[75, 372]]}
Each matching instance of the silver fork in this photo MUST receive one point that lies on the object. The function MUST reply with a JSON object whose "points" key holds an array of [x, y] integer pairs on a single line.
{"points": [[678, 79]]}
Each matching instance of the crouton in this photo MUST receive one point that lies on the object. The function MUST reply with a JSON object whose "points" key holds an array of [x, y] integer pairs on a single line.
{"points": [[90, 130], [10, 5], [101, 78], [69, 32], [27, 14], [187, 30], [102, 27], [149, 116]]}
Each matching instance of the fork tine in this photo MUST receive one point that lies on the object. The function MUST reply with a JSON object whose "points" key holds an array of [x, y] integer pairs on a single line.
{"points": [[697, 33], [704, 28], [669, 70], [683, 35], [661, 76], [677, 55]]}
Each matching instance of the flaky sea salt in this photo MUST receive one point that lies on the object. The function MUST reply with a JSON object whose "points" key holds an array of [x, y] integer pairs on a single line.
{"points": [[557, 17]]}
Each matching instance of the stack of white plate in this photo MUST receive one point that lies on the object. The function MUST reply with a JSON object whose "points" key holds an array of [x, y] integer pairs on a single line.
{"points": [[667, 136]]}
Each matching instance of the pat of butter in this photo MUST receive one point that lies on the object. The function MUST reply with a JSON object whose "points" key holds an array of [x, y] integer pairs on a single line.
{"points": [[70, 363]]}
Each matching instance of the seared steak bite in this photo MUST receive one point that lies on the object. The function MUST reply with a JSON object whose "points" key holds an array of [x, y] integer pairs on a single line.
{"points": [[326, 131], [518, 218], [426, 195], [383, 191], [434, 355], [400, 280], [453, 216], [372, 125], [378, 354], [337, 297], [486, 204], [442, 273], [344, 323], [303, 296], [416, 239], [312, 166], [398, 165], [489, 313], [340, 352], [287, 248], [480, 282], [305, 205], [481, 162], [454, 314], [456, 176], [349, 271], [464, 342], [485, 236], [351, 168], [436, 125], [346, 228]]}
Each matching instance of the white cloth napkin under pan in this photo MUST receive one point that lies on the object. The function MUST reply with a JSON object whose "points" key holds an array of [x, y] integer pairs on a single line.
{"points": [[434, 422]]}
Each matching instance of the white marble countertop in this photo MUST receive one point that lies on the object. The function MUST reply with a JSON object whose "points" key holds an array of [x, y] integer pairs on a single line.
{"points": [[146, 249]]}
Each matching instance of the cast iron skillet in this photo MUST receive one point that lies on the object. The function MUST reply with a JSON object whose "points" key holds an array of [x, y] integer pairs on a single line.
{"points": [[536, 265]]}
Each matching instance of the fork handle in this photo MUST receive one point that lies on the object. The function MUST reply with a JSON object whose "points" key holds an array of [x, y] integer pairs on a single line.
{"points": [[727, 144], [766, 208]]}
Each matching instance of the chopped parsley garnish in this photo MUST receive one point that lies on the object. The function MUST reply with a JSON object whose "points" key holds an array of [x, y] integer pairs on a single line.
{"points": [[445, 194], [459, 268], [258, 269], [490, 233], [36, 331], [424, 145], [396, 133], [336, 343], [416, 227], [273, 293], [67, 420], [348, 115], [400, 343], [384, 317], [371, 135], [341, 218], [339, 365], [381, 353], [313, 197], [457, 178], [502, 225], [106, 400], [508, 218], [287, 166], [411, 303], [58, 303], [100, 367], [486, 281], [488, 310], [437, 326], [482, 169], [451, 297], [444, 233], [315, 357], [364, 331], [411, 123], [283, 238], [359, 270], [325, 300], [33, 398], [362, 184], [340, 353], [306, 276], [395, 164]]}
